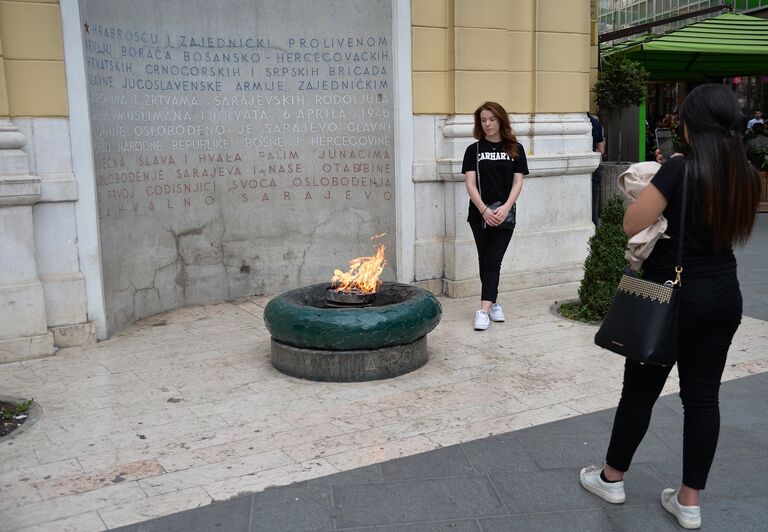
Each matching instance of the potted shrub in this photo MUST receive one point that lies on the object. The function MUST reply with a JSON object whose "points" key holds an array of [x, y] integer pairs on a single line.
{"points": [[602, 268]]}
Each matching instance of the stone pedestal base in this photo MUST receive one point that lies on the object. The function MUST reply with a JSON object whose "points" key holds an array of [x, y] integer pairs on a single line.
{"points": [[74, 335], [516, 281], [26, 347], [349, 366]]}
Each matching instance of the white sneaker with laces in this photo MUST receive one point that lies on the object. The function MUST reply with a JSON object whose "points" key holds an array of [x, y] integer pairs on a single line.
{"points": [[687, 516], [497, 313], [482, 320], [612, 492]]}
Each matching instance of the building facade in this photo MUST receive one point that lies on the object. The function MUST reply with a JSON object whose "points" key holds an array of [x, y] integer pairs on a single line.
{"points": [[620, 14], [119, 198], [751, 91]]}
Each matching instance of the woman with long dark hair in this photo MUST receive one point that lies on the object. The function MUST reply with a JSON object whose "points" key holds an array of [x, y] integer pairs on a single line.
{"points": [[493, 170], [723, 191]]}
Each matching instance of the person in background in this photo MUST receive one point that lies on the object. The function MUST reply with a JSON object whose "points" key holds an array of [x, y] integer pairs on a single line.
{"points": [[598, 145], [502, 164], [756, 119], [756, 145], [722, 197]]}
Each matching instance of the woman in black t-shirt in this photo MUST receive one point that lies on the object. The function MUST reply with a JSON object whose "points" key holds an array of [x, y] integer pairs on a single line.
{"points": [[723, 192], [501, 163]]}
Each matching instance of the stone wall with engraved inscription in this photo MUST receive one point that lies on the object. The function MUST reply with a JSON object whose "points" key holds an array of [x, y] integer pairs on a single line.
{"points": [[241, 147]]}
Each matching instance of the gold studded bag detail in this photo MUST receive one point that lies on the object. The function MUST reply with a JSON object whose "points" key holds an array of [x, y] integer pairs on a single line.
{"points": [[641, 323]]}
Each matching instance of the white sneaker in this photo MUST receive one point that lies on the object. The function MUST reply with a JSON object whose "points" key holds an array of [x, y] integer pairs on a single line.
{"points": [[612, 492], [687, 516], [497, 313], [482, 321]]}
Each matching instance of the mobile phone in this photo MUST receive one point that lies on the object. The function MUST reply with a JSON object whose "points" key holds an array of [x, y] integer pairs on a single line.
{"points": [[664, 142]]}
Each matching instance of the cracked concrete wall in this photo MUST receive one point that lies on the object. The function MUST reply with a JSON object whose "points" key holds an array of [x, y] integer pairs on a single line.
{"points": [[246, 149]]}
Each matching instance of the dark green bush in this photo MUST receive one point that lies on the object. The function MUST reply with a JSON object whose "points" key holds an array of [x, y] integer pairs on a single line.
{"points": [[605, 263]]}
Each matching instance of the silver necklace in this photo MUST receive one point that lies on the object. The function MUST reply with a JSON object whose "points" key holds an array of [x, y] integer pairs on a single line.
{"points": [[494, 146]]}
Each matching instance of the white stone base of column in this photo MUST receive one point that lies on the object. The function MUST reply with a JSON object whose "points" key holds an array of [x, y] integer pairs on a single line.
{"points": [[433, 285], [517, 281], [64, 299], [74, 335], [26, 347]]}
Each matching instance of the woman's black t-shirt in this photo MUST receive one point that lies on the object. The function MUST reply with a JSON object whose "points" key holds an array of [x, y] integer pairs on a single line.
{"points": [[497, 172], [699, 255]]}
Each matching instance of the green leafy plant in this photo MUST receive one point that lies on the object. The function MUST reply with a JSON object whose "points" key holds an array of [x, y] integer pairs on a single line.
{"points": [[621, 82], [603, 267], [11, 410]]}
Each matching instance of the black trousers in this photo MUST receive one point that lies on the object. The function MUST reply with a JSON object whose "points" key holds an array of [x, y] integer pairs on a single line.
{"points": [[710, 313], [492, 244]]}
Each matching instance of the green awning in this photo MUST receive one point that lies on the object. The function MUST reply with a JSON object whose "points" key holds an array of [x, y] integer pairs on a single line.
{"points": [[723, 46]]}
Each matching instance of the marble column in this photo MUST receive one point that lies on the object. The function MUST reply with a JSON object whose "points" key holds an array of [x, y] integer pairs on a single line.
{"points": [[23, 328]]}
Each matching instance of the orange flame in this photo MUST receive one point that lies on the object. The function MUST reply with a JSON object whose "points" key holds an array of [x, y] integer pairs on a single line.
{"points": [[363, 274]]}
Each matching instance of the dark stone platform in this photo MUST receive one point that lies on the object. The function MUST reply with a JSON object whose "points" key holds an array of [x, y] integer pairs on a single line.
{"points": [[349, 366]]}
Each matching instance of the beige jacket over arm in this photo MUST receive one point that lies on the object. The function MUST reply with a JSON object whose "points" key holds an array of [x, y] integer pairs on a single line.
{"points": [[631, 183]]}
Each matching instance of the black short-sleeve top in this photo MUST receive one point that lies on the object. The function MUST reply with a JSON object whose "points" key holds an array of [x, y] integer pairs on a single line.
{"points": [[497, 172], [700, 258]]}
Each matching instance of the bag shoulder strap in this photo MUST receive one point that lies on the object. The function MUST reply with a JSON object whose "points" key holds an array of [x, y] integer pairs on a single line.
{"points": [[477, 167], [679, 265]]}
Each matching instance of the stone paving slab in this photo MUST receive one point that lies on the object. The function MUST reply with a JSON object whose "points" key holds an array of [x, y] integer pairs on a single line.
{"points": [[184, 409], [174, 420]]}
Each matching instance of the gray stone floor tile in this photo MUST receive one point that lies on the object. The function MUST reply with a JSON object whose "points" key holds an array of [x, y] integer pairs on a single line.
{"points": [[584, 423], [499, 453], [743, 411], [641, 518], [606, 417], [593, 520], [749, 514], [738, 477], [302, 508], [533, 492], [232, 515], [361, 475], [415, 501], [443, 526], [446, 462], [752, 270], [134, 527], [667, 414], [653, 449], [750, 388], [736, 441], [567, 450]]}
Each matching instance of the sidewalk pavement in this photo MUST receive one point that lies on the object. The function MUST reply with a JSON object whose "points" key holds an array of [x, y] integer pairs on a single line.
{"points": [[183, 409]]}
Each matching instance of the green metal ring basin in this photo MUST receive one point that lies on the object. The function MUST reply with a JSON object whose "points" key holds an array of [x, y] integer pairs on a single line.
{"points": [[400, 314]]}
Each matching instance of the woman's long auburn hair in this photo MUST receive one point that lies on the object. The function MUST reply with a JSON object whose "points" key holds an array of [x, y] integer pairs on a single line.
{"points": [[508, 139], [726, 187]]}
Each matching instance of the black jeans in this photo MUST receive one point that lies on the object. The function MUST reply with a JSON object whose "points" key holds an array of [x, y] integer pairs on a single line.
{"points": [[491, 244], [710, 313]]}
